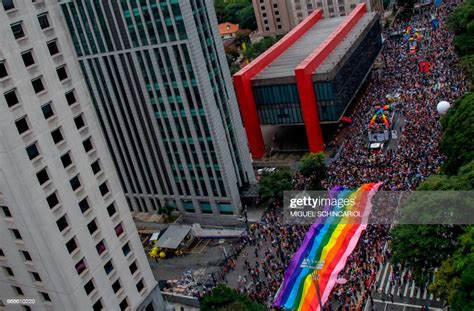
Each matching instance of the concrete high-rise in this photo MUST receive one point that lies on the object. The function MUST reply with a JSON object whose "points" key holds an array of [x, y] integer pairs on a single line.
{"points": [[67, 239], [160, 83], [276, 17]]}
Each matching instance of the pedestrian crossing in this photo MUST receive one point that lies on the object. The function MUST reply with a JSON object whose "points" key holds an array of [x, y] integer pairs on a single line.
{"points": [[402, 289]]}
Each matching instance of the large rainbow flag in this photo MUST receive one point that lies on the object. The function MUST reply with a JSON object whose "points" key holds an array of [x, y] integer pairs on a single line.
{"points": [[329, 243]]}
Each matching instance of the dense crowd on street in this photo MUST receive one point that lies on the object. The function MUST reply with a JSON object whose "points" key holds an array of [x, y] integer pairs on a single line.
{"points": [[271, 244]]}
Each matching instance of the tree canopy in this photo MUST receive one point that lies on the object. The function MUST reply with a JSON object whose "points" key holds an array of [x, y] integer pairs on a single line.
{"points": [[237, 12], [423, 247], [461, 22], [458, 131], [224, 298], [273, 184], [454, 280], [313, 165]]}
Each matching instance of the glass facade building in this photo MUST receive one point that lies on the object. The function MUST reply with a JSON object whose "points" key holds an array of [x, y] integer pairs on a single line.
{"points": [[334, 96], [158, 77], [279, 104]]}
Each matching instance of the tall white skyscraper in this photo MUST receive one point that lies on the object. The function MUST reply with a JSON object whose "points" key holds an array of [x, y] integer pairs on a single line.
{"points": [[67, 239]]}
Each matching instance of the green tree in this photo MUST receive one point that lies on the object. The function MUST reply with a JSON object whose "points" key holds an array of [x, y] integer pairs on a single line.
{"points": [[247, 19], [274, 183], [467, 64], [313, 165], [454, 280], [458, 131], [223, 298], [423, 247]]}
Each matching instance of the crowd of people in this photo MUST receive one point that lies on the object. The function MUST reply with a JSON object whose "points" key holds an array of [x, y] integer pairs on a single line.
{"points": [[271, 244]]}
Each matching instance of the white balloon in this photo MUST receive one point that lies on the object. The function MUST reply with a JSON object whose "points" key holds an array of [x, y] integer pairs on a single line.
{"points": [[442, 107]]}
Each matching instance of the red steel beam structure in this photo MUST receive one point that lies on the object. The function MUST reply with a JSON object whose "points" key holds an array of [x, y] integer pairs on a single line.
{"points": [[243, 83], [304, 72]]}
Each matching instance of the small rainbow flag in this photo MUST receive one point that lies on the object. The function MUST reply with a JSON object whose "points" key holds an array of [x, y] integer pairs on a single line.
{"points": [[329, 244]]}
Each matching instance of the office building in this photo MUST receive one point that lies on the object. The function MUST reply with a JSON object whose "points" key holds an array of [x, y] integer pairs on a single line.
{"points": [[309, 77], [276, 17], [159, 81], [67, 239]]}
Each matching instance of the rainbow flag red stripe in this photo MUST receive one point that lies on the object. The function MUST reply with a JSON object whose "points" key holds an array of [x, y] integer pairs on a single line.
{"points": [[329, 243]]}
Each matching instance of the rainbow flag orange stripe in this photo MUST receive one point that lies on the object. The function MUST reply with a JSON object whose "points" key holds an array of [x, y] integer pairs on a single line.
{"points": [[329, 243]]}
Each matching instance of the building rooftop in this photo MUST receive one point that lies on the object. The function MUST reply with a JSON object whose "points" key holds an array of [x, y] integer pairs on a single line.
{"points": [[228, 28], [285, 64], [343, 47]]}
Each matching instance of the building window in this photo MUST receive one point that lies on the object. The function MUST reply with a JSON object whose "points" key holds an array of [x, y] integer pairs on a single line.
{"points": [[45, 297], [8, 271], [6, 211], [81, 266], [16, 234], [47, 110], [100, 247], [84, 205], [92, 227], [42, 176], [66, 159], [96, 167], [108, 267], [26, 256], [104, 189], [126, 249], [37, 85], [62, 73], [71, 245], [116, 286], [119, 229], [57, 136], [53, 47], [36, 277], [22, 125], [89, 287], [52, 200], [62, 223], [17, 30], [123, 305], [79, 121], [18, 290], [140, 286], [11, 98], [111, 209], [3, 70], [71, 98], [8, 5], [28, 58], [43, 21], [98, 306], [87, 144], [133, 267], [75, 182]]}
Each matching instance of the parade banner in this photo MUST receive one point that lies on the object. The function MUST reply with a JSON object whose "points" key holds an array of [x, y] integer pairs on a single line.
{"points": [[328, 244]]}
